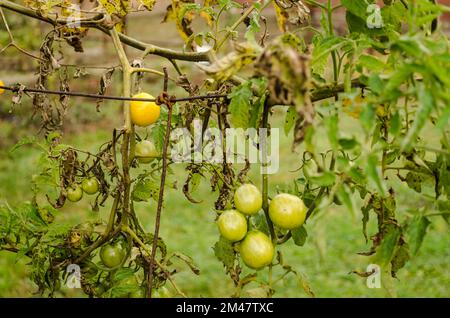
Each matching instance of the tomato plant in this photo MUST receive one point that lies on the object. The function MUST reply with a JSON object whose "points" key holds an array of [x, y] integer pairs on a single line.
{"points": [[358, 105]]}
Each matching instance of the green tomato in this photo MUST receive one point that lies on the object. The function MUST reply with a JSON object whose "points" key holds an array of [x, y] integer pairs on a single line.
{"points": [[248, 199], [90, 185], [145, 151], [287, 211], [112, 255], [256, 250], [232, 225], [74, 193]]}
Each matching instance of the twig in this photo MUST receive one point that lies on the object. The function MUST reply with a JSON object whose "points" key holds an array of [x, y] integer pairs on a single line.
{"points": [[165, 99], [265, 177]]}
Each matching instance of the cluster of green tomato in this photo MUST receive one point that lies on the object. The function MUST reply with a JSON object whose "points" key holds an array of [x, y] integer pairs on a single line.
{"points": [[88, 185], [286, 211], [145, 152]]}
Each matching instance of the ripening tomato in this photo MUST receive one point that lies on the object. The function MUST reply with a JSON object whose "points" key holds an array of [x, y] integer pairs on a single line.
{"points": [[90, 185], [145, 151], [232, 225], [74, 193], [256, 250], [144, 113], [287, 211], [248, 199]]}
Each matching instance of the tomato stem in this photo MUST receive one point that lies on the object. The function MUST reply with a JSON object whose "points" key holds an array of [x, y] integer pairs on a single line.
{"points": [[265, 177]]}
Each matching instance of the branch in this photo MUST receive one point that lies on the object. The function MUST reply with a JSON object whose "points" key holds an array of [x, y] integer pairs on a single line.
{"points": [[163, 97], [325, 92], [332, 90], [94, 23]]}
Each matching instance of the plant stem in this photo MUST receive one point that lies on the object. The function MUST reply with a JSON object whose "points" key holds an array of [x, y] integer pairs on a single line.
{"points": [[265, 177], [162, 184], [331, 33], [128, 136]]}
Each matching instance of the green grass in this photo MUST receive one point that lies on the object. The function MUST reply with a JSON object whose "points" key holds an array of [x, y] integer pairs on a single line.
{"points": [[330, 253]]}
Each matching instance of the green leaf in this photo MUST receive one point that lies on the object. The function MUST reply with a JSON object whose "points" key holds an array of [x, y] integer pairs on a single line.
{"points": [[376, 84], [372, 63], [357, 24], [357, 175], [426, 102], [224, 251], [123, 273], [144, 190], [331, 124], [400, 259], [260, 223], [291, 117], [158, 135], [417, 229], [367, 118], [256, 112], [348, 143], [414, 181], [322, 50], [444, 119], [395, 124], [345, 195], [324, 179], [299, 235], [357, 7], [374, 175], [386, 250], [398, 78], [24, 141], [240, 105]]}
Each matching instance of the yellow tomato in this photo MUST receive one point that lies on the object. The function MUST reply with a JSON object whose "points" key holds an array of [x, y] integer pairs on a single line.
{"points": [[1, 89], [256, 250], [287, 211], [232, 225], [248, 199], [144, 113]]}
